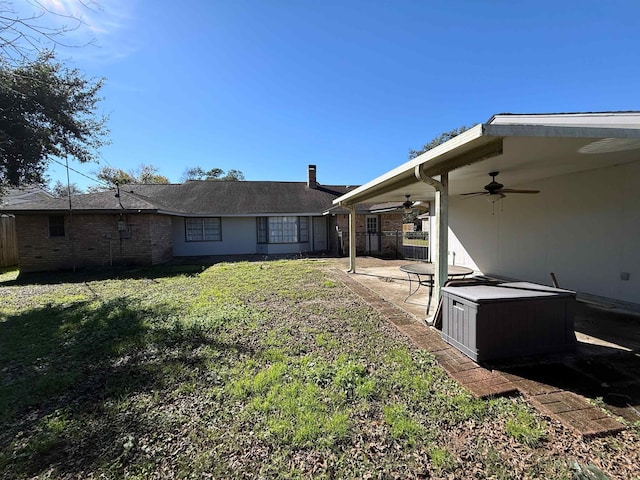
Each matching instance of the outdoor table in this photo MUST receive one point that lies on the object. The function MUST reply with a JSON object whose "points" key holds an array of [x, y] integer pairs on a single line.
{"points": [[425, 273]]}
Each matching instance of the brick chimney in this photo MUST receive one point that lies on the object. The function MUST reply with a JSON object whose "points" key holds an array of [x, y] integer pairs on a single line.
{"points": [[311, 177]]}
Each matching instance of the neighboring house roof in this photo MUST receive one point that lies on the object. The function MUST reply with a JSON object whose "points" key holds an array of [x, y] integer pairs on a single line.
{"points": [[106, 202], [199, 198], [14, 196]]}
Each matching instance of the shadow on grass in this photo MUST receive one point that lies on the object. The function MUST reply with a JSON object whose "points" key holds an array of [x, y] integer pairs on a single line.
{"points": [[177, 266], [63, 368], [107, 273]]}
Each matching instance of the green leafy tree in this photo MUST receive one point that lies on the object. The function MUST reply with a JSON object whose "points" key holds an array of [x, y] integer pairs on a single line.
{"points": [[233, 175], [198, 173], [110, 177], [47, 111], [443, 137], [60, 189]]}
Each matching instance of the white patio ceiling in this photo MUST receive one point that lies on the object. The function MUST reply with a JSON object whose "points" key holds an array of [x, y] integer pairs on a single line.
{"points": [[521, 150]]}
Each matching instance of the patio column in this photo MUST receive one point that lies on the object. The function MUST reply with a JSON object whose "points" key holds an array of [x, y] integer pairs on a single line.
{"points": [[441, 237], [352, 239]]}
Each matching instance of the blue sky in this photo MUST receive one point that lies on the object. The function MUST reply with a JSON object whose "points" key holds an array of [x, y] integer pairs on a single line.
{"points": [[267, 87]]}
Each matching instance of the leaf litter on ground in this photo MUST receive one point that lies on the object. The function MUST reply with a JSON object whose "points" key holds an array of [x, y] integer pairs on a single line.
{"points": [[251, 370]]}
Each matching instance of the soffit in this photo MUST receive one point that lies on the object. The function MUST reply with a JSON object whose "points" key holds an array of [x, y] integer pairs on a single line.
{"points": [[527, 153]]}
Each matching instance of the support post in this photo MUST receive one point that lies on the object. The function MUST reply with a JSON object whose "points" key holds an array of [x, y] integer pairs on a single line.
{"points": [[442, 251], [352, 239], [441, 238]]}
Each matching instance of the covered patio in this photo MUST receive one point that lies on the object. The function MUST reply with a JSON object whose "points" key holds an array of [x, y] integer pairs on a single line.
{"points": [[560, 208], [563, 201]]}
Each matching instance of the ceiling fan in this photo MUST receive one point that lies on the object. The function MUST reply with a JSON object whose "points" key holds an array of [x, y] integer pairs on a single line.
{"points": [[496, 190], [407, 204]]}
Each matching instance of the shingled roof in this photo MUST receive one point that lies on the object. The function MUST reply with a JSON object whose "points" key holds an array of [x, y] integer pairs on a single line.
{"points": [[105, 202], [241, 198], [199, 197], [13, 196]]}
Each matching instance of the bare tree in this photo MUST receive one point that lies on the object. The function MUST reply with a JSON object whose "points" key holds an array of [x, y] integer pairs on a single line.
{"points": [[60, 189], [34, 29], [198, 173]]}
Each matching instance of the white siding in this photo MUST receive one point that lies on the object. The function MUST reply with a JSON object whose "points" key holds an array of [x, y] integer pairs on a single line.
{"points": [[584, 227], [238, 237]]}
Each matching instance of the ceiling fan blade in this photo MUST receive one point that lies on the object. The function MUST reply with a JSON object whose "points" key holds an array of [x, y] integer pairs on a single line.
{"points": [[511, 190], [475, 193]]}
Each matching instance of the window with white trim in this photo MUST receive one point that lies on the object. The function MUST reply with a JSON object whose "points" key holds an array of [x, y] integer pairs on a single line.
{"points": [[304, 229], [286, 229], [203, 229], [263, 228]]}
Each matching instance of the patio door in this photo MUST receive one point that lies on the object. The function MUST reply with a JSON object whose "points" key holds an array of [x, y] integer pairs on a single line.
{"points": [[372, 234]]}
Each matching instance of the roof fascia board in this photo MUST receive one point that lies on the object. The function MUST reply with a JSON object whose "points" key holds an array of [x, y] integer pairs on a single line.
{"points": [[440, 159], [10, 211], [404, 174], [444, 165], [505, 130], [303, 214], [246, 215], [377, 189], [76, 211]]}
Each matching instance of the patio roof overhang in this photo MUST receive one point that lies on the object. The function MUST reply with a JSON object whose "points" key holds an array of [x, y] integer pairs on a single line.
{"points": [[523, 148], [521, 152]]}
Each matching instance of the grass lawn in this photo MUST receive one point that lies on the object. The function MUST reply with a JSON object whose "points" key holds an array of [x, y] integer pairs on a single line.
{"points": [[250, 370]]}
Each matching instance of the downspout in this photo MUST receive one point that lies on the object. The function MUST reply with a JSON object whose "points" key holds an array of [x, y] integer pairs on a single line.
{"points": [[352, 239], [442, 227]]}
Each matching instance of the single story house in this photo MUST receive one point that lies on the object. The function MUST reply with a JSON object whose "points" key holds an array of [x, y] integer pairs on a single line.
{"points": [[150, 224], [524, 196]]}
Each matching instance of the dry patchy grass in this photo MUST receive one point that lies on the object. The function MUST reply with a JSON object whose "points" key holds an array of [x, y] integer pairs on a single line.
{"points": [[249, 370]]}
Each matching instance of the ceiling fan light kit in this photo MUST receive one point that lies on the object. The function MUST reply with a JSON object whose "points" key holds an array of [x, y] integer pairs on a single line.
{"points": [[496, 190], [407, 204], [494, 197]]}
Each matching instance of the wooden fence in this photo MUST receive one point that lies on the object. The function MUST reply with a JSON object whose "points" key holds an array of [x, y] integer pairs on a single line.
{"points": [[8, 241]]}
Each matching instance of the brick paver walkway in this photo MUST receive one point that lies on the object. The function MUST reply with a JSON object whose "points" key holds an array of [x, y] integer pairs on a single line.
{"points": [[572, 410]]}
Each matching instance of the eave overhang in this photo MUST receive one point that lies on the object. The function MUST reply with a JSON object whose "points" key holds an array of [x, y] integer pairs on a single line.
{"points": [[472, 146]]}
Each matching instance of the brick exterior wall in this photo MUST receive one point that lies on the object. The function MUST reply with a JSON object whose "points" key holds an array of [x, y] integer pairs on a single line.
{"points": [[390, 225], [161, 242], [95, 240]]}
